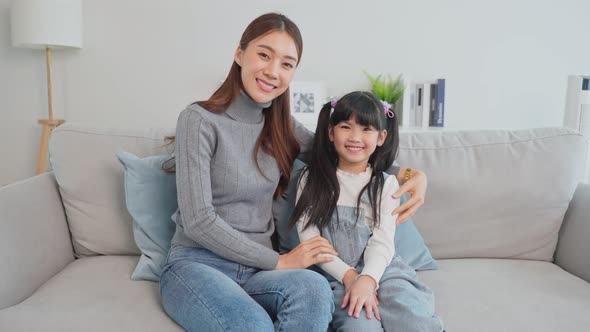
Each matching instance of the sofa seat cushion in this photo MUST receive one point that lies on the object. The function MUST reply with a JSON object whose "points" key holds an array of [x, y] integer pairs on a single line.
{"points": [[91, 294], [508, 295]]}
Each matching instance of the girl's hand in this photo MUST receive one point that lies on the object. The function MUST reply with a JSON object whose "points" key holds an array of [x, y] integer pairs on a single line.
{"points": [[361, 294], [307, 253], [416, 186]]}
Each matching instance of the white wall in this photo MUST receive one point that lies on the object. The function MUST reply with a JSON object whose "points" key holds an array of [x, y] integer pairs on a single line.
{"points": [[506, 62]]}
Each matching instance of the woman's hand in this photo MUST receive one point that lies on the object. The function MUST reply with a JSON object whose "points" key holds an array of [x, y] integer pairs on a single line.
{"points": [[360, 292], [416, 186], [307, 253]]}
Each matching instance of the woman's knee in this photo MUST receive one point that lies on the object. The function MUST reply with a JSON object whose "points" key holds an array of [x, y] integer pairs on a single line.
{"points": [[313, 289], [200, 298]]}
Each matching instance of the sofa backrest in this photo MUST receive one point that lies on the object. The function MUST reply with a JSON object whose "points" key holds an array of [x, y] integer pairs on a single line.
{"points": [[90, 180], [493, 193]]}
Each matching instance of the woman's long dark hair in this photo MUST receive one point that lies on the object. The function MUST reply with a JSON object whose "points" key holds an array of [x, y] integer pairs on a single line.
{"points": [[277, 137], [320, 194]]}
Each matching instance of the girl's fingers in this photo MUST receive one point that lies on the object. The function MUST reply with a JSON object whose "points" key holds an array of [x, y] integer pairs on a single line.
{"points": [[369, 310], [345, 300], [359, 307], [352, 305], [376, 311]]}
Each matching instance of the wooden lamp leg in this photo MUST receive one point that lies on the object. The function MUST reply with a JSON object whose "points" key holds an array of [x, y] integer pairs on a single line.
{"points": [[43, 148], [49, 124]]}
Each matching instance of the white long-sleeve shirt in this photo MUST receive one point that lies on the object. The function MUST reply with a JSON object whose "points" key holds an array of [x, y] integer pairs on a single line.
{"points": [[380, 248]]}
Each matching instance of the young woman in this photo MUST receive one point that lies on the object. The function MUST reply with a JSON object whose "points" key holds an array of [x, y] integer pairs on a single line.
{"points": [[233, 155], [345, 197]]}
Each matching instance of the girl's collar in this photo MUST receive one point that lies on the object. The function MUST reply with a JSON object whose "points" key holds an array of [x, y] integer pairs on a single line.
{"points": [[367, 172]]}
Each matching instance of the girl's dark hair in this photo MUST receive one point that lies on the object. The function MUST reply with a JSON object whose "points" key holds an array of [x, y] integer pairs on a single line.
{"points": [[277, 137], [319, 196]]}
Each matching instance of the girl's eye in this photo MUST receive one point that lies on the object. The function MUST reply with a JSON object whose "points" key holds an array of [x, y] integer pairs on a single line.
{"points": [[344, 127], [288, 65], [264, 55]]}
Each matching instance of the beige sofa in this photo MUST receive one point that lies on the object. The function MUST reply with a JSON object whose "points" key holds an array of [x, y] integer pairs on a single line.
{"points": [[505, 216]]}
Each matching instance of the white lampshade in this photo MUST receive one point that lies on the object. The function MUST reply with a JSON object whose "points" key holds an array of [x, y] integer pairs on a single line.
{"points": [[46, 23]]}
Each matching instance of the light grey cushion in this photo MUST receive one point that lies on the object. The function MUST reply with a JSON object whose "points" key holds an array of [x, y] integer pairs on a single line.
{"points": [[92, 294], [496, 194], [90, 180], [491, 295]]}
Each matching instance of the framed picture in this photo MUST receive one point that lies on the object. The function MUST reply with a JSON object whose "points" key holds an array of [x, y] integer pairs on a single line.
{"points": [[307, 99]]}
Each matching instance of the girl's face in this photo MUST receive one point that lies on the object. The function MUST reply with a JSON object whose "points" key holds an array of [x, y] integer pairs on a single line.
{"points": [[355, 144], [268, 65]]}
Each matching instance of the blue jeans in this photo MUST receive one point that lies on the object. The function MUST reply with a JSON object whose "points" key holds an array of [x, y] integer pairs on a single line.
{"points": [[202, 291]]}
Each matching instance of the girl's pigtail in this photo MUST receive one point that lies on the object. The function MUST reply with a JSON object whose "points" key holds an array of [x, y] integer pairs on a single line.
{"points": [[320, 194]]}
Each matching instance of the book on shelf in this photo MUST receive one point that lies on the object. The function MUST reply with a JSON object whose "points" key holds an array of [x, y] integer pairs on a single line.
{"points": [[428, 107], [432, 105], [439, 109], [422, 110]]}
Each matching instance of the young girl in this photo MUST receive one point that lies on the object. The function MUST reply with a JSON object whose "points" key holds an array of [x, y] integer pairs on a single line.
{"points": [[344, 196]]}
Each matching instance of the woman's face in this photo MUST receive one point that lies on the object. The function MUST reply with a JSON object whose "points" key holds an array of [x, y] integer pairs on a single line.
{"points": [[268, 64]]}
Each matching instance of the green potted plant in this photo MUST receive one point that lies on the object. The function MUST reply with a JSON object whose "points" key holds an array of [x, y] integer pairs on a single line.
{"points": [[389, 90]]}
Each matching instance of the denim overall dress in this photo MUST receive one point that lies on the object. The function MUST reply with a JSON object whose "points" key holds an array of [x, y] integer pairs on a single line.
{"points": [[405, 304]]}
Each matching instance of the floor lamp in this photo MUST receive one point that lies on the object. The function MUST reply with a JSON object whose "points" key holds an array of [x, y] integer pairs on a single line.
{"points": [[46, 24]]}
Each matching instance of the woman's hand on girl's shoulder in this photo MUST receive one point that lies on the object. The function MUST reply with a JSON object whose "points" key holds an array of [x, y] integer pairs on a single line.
{"points": [[416, 185], [309, 252]]}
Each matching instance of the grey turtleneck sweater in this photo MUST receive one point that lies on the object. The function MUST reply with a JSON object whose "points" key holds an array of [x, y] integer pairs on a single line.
{"points": [[224, 202]]}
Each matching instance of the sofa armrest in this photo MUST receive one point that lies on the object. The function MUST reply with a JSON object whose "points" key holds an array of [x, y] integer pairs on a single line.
{"points": [[35, 242], [573, 247]]}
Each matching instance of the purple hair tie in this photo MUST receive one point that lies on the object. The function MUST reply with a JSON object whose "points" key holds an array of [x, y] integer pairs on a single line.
{"points": [[333, 102], [387, 109]]}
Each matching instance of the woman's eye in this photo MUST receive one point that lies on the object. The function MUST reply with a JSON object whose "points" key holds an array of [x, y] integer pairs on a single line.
{"points": [[264, 55], [288, 65]]}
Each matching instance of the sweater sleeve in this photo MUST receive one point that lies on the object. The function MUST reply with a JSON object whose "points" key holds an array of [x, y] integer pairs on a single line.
{"points": [[195, 145], [336, 268], [380, 248], [305, 139]]}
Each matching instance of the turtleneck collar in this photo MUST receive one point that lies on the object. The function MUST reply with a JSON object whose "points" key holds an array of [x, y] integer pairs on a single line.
{"points": [[245, 109]]}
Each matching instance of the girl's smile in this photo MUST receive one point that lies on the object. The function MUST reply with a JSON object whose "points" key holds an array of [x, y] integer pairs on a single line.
{"points": [[355, 143]]}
